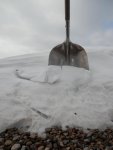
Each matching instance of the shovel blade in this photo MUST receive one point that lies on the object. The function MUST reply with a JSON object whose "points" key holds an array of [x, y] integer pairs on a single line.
{"points": [[77, 56]]}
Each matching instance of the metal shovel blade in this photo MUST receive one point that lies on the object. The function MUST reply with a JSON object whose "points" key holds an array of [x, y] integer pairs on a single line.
{"points": [[68, 53], [76, 57]]}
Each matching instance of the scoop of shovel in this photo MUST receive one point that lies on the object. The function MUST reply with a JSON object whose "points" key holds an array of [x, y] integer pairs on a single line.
{"points": [[68, 53]]}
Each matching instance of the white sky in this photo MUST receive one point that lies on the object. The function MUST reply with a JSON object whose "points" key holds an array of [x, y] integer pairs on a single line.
{"points": [[28, 26]]}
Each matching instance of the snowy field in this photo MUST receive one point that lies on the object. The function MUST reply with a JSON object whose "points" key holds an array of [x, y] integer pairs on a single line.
{"points": [[35, 96]]}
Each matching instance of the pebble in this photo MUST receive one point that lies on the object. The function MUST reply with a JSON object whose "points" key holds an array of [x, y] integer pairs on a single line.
{"points": [[68, 148], [33, 147], [86, 140], [74, 141], [41, 148], [50, 145], [33, 135], [8, 142], [61, 144], [65, 142], [1, 147], [1, 140], [23, 147], [21, 142], [89, 134], [86, 148], [16, 138], [28, 143], [47, 148], [16, 147]]}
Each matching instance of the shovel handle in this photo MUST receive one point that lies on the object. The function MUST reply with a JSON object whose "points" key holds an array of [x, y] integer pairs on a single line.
{"points": [[67, 9]]}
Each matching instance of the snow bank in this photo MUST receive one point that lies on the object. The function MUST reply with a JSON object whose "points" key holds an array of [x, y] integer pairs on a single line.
{"points": [[35, 96]]}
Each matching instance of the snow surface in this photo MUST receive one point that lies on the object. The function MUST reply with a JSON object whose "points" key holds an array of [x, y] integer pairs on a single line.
{"points": [[35, 96]]}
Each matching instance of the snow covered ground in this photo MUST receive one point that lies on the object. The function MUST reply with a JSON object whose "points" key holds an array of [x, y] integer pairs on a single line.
{"points": [[35, 96]]}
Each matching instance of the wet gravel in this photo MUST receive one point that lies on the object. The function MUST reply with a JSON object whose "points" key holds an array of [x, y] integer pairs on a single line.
{"points": [[57, 139]]}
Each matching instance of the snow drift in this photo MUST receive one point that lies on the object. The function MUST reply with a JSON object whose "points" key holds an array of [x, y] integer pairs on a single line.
{"points": [[35, 96]]}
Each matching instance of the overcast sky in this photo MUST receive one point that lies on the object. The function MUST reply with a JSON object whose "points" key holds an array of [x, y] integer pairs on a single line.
{"points": [[28, 26]]}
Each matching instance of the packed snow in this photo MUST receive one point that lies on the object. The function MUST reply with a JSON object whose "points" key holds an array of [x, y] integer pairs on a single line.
{"points": [[35, 96]]}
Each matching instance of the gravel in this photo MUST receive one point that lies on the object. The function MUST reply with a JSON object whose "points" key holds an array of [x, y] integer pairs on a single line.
{"points": [[57, 139]]}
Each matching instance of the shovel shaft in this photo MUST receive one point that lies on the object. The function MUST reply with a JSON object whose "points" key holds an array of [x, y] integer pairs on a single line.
{"points": [[67, 31], [67, 18], [67, 9]]}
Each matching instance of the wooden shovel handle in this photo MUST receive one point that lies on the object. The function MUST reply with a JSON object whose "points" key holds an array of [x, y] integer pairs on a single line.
{"points": [[67, 9]]}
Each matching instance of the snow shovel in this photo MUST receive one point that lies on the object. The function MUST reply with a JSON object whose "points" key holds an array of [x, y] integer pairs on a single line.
{"points": [[68, 53]]}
